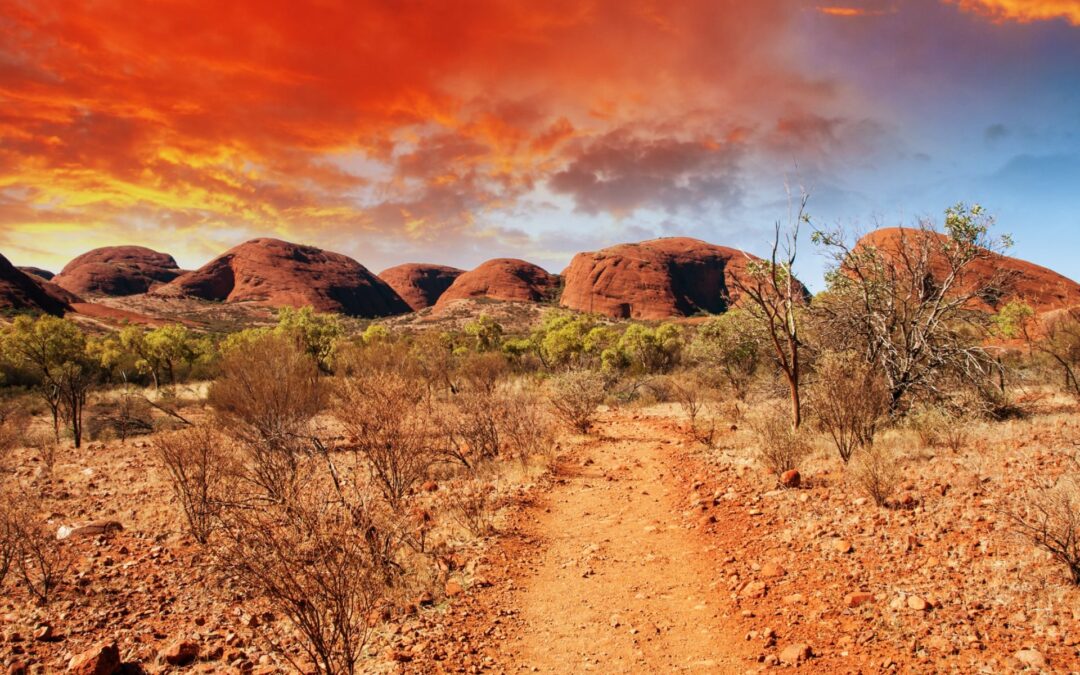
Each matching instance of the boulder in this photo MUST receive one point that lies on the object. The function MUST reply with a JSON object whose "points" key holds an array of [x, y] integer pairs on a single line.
{"points": [[101, 659], [277, 273], [418, 284], [505, 279], [656, 279], [117, 271]]}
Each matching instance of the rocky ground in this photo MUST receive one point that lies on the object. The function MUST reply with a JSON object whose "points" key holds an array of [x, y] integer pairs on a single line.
{"points": [[641, 551]]}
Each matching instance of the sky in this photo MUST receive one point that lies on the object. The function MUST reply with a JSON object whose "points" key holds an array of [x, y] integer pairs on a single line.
{"points": [[453, 132]]}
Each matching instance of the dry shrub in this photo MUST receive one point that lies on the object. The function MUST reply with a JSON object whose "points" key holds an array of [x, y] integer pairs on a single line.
{"points": [[939, 427], [14, 420], [475, 427], [575, 396], [317, 562], [526, 427], [32, 552], [693, 397], [199, 461], [877, 472], [1050, 519], [849, 399], [781, 447], [472, 503], [483, 371], [266, 396], [129, 415], [390, 424]]}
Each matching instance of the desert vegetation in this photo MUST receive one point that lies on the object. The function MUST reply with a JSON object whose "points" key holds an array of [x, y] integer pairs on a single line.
{"points": [[333, 477]]}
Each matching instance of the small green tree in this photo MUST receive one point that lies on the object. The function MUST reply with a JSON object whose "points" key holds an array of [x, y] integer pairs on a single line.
{"points": [[317, 333], [55, 351], [645, 350], [486, 332], [160, 352], [731, 345]]}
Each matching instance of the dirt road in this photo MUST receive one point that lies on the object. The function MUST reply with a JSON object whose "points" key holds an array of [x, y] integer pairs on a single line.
{"points": [[620, 585]]}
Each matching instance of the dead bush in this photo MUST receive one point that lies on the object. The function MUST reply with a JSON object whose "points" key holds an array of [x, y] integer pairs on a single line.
{"points": [[483, 371], [14, 420], [390, 424], [526, 427], [199, 463], [940, 427], [475, 426], [694, 398], [1050, 519], [129, 415], [781, 447], [575, 396], [315, 561], [471, 503], [266, 396], [34, 555], [877, 472], [849, 399]]}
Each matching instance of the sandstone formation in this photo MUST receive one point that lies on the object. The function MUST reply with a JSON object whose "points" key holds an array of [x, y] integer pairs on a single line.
{"points": [[38, 272], [1010, 278], [20, 291], [117, 271], [656, 279], [506, 279], [418, 284], [277, 273]]}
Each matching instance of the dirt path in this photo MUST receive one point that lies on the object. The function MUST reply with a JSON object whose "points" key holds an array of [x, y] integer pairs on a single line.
{"points": [[621, 585]]}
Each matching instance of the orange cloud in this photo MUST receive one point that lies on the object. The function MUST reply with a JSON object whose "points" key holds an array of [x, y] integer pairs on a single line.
{"points": [[853, 11], [1024, 11], [351, 119]]}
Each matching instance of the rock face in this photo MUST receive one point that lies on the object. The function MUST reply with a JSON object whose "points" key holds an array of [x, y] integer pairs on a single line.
{"points": [[38, 272], [278, 273], [418, 284], [503, 279], [1044, 289], [20, 291], [655, 279], [117, 271]]}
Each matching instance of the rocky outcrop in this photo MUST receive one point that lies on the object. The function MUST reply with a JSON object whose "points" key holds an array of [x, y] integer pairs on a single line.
{"points": [[117, 271], [278, 273], [38, 272], [1004, 277], [506, 279], [656, 279], [21, 292], [418, 284]]}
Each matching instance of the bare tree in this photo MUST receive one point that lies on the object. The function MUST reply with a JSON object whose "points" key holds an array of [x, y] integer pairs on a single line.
{"points": [[37, 558], [907, 302], [775, 297]]}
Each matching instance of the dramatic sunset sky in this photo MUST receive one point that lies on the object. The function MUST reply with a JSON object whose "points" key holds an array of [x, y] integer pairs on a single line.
{"points": [[457, 131]]}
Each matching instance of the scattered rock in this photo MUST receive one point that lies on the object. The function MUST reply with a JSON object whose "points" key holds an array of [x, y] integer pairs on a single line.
{"points": [[101, 659], [842, 546], [795, 654], [454, 588], [916, 603], [181, 653], [772, 570], [858, 598], [791, 479], [1031, 658]]}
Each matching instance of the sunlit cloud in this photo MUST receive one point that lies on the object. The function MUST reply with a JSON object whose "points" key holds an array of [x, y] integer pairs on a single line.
{"points": [[1025, 11]]}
